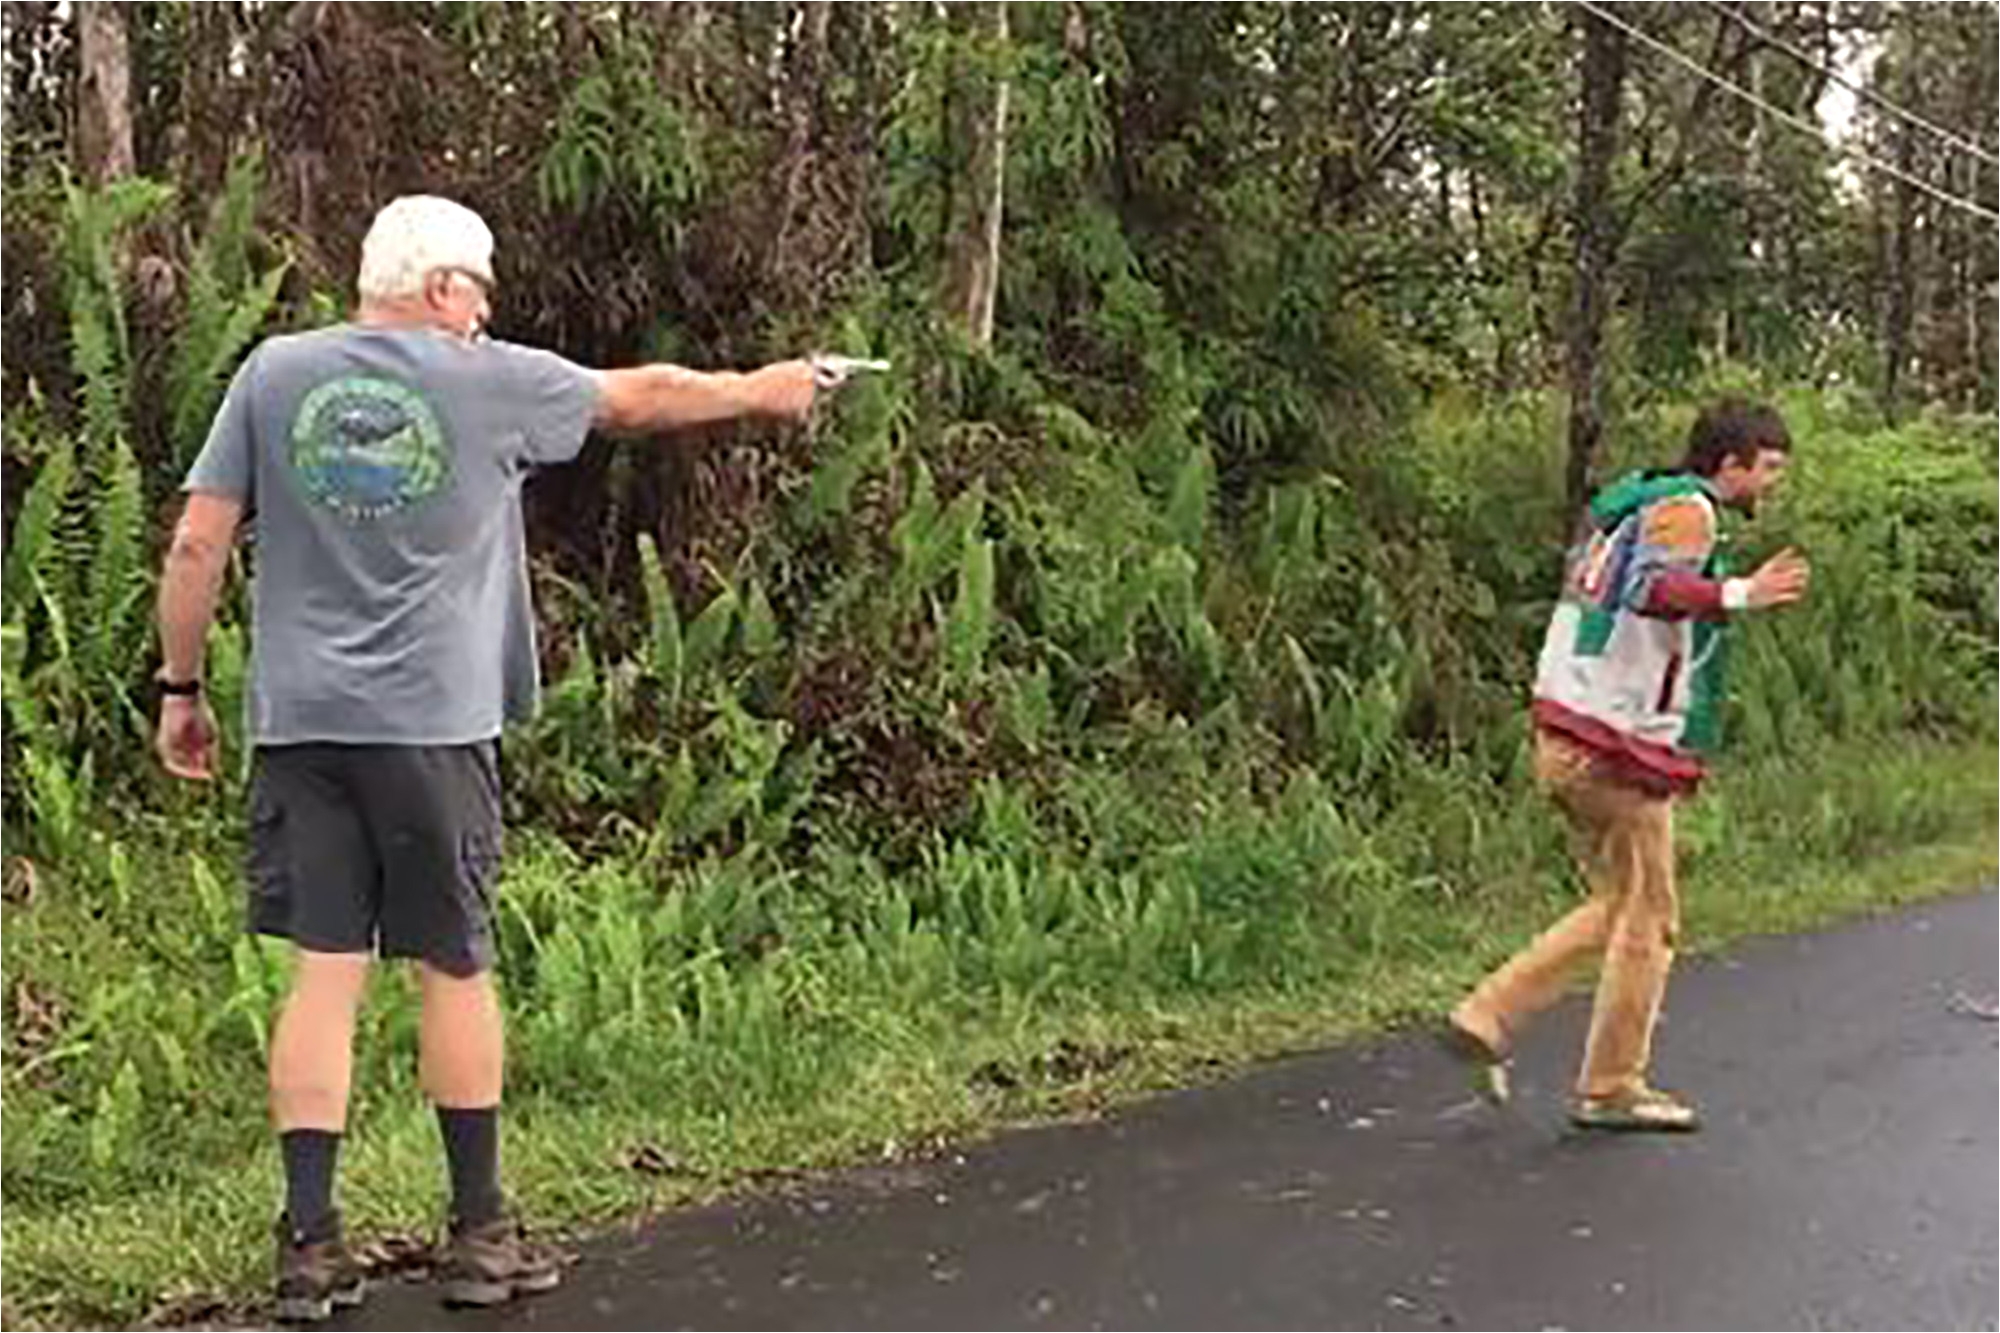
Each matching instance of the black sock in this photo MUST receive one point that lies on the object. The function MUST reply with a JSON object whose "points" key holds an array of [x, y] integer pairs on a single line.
{"points": [[310, 1158], [472, 1147]]}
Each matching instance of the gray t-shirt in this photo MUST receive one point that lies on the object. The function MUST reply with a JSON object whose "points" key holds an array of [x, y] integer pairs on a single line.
{"points": [[382, 469]]}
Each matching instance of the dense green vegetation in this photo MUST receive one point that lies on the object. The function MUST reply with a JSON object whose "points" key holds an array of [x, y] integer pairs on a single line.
{"points": [[1142, 689]]}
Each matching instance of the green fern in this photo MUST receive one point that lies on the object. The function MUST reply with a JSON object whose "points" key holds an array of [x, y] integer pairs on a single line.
{"points": [[76, 576], [666, 653], [115, 1124], [228, 680], [970, 627], [913, 538], [708, 638], [929, 542], [1028, 709], [34, 555], [1309, 690], [961, 522], [617, 138], [1187, 510], [118, 578], [97, 353], [225, 309], [96, 221], [61, 800], [85, 552], [27, 725], [760, 623], [1128, 592]]}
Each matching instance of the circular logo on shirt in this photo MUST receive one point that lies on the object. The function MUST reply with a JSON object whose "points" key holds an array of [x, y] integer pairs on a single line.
{"points": [[366, 448]]}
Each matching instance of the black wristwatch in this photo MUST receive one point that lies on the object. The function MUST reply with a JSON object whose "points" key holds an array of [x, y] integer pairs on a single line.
{"points": [[179, 689]]}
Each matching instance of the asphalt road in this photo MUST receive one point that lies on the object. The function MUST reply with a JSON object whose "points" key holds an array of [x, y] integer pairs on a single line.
{"points": [[1846, 1179]]}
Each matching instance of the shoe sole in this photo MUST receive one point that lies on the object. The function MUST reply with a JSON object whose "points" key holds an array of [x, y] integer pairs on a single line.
{"points": [[319, 1309], [1624, 1126], [1487, 1066], [468, 1292]]}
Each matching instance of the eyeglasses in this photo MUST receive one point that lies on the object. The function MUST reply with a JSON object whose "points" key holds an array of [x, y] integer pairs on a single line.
{"points": [[485, 285]]}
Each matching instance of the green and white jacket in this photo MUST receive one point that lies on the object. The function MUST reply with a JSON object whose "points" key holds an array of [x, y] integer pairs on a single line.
{"points": [[1633, 663]]}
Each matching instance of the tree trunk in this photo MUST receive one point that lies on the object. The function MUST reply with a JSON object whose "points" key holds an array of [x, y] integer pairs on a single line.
{"points": [[1756, 191], [209, 99], [1475, 201], [1981, 293], [1597, 135], [1896, 336], [1972, 111], [804, 82], [1950, 354], [103, 93], [802, 94], [979, 155], [1503, 358], [1968, 295], [1076, 31]]}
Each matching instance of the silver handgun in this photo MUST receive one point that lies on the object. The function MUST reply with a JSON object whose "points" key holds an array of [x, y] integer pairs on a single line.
{"points": [[830, 372]]}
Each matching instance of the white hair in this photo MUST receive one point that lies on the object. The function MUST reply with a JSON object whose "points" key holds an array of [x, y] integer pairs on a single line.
{"points": [[417, 235]]}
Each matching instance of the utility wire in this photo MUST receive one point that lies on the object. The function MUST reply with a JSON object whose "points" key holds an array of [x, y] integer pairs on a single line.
{"points": [[1866, 159], [1872, 98]]}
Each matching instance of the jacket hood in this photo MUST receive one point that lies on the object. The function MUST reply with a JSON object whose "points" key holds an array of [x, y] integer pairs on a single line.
{"points": [[1629, 494]]}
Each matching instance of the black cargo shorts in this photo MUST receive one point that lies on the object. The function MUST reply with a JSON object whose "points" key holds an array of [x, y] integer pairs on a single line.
{"points": [[390, 849]]}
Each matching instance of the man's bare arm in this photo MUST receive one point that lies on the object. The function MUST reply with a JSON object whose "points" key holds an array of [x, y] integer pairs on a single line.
{"points": [[665, 397], [191, 583]]}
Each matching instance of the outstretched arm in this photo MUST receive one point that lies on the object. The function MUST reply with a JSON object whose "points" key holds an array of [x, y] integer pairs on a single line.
{"points": [[663, 397], [1675, 540]]}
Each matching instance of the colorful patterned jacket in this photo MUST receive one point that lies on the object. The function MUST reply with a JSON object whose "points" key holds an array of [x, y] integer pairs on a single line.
{"points": [[1633, 663]]}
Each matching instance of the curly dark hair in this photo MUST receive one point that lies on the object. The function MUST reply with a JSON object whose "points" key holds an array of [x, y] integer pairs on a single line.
{"points": [[1737, 428]]}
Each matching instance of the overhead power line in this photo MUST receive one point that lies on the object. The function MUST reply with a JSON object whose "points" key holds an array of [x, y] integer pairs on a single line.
{"points": [[1864, 158], [1874, 99]]}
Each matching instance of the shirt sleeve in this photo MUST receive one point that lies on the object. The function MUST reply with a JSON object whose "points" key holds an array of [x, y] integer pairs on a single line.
{"points": [[552, 401], [1675, 540], [227, 463], [1677, 594]]}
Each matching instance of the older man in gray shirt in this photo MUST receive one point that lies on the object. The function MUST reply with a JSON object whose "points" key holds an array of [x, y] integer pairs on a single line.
{"points": [[380, 463]]}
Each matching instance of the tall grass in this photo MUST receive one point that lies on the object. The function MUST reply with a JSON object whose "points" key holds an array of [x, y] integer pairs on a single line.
{"points": [[731, 1015]]}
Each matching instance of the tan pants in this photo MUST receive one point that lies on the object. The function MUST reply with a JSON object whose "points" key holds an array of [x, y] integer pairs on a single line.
{"points": [[1624, 842]]}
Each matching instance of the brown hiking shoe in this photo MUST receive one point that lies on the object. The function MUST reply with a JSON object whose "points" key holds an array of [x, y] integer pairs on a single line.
{"points": [[493, 1262], [316, 1276], [1642, 1110]]}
